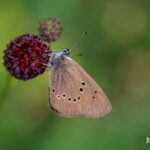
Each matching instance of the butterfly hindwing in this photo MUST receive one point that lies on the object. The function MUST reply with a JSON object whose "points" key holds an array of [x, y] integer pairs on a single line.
{"points": [[73, 92]]}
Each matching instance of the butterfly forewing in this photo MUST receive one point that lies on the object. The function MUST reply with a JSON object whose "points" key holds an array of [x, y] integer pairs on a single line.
{"points": [[73, 92]]}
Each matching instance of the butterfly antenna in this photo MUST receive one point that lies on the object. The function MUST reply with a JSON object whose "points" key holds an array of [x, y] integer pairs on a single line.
{"points": [[79, 40]]}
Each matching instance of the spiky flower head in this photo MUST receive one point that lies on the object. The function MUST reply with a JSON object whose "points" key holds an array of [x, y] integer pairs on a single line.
{"points": [[50, 29], [25, 56]]}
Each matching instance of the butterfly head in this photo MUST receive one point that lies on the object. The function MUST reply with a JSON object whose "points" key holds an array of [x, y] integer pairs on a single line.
{"points": [[56, 58], [61, 54], [66, 51]]}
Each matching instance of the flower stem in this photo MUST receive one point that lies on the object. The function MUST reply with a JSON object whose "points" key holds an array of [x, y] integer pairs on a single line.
{"points": [[5, 90]]}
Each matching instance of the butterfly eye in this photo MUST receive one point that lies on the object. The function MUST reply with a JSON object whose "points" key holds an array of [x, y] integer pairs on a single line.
{"points": [[53, 90], [78, 98], [95, 92], [66, 51]]}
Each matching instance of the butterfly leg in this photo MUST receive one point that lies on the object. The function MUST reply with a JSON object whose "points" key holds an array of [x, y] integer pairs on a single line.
{"points": [[47, 65]]}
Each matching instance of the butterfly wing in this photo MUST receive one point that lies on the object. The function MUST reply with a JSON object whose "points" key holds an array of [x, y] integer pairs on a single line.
{"points": [[73, 92]]}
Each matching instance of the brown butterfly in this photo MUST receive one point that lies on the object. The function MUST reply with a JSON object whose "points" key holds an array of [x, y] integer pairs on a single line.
{"points": [[72, 92]]}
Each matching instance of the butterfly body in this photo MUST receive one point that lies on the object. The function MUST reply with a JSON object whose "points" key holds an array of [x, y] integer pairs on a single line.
{"points": [[72, 91]]}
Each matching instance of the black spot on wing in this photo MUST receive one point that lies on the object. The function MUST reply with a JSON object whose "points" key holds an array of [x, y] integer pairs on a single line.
{"points": [[81, 89]]}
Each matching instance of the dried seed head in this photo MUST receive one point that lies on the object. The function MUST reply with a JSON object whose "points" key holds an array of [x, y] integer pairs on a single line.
{"points": [[24, 57], [50, 29]]}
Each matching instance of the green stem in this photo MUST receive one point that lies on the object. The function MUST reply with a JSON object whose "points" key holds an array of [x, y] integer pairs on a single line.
{"points": [[6, 89]]}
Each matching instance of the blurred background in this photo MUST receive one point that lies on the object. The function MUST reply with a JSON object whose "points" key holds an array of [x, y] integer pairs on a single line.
{"points": [[116, 53]]}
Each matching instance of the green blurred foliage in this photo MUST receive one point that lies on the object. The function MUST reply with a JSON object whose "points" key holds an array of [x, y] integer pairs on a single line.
{"points": [[116, 52]]}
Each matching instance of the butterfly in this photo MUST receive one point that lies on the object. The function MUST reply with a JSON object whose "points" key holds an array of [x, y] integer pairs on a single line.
{"points": [[72, 92]]}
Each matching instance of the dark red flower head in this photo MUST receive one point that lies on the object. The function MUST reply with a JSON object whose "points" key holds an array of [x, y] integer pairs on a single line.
{"points": [[50, 29], [24, 57]]}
